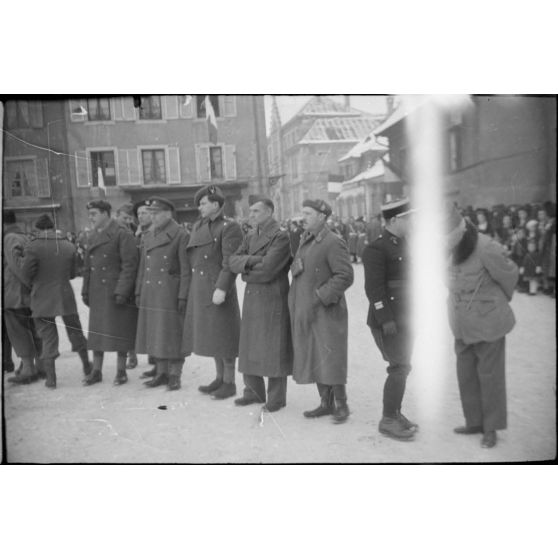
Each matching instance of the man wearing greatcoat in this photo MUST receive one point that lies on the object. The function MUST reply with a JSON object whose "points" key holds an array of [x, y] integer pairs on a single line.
{"points": [[212, 323], [161, 293], [265, 349]]}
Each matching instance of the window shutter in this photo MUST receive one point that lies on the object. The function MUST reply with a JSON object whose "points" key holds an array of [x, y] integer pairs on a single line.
{"points": [[229, 105], [186, 111], [134, 166], [174, 165], [43, 178], [75, 105], [230, 162], [83, 170], [202, 163], [123, 168], [170, 107], [116, 108], [128, 109]]}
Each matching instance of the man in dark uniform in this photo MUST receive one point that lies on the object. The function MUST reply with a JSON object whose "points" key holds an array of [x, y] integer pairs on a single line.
{"points": [[212, 323], [161, 293], [263, 259], [387, 284], [109, 277], [48, 265]]}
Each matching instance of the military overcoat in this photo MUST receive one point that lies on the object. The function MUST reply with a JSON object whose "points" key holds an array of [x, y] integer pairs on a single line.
{"points": [[49, 264], [265, 331], [318, 309], [163, 279], [16, 289], [110, 268], [209, 329]]}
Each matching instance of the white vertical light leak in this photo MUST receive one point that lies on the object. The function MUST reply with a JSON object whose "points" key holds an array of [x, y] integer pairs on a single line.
{"points": [[432, 360]]}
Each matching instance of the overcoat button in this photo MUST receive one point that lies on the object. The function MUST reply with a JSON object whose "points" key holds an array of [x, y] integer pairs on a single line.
{"points": [[104, 255], [147, 269], [201, 272], [159, 282], [164, 257], [147, 282], [205, 256], [103, 281], [92, 269], [162, 269]]}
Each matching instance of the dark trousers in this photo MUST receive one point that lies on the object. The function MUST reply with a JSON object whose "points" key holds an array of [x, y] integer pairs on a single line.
{"points": [[338, 392], [48, 332], [481, 374], [7, 362], [396, 351], [276, 389], [21, 332]]}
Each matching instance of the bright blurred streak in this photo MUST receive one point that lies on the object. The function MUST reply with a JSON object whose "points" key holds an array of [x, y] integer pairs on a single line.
{"points": [[433, 347]]}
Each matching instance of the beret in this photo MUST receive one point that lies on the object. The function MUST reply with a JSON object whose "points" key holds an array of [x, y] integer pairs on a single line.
{"points": [[156, 202], [396, 208], [255, 198], [44, 222], [137, 205], [319, 205], [213, 193], [101, 205]]}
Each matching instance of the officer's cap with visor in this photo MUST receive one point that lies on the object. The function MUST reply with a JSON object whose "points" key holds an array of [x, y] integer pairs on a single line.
{"points": [[157, 203], [398, 208]]}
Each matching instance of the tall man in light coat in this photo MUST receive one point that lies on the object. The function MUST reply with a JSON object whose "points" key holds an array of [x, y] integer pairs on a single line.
{"points": [[265, 350], [109, 276], [161, 293], [482, 282], [322, 272], [48, 265], [212, 323]]}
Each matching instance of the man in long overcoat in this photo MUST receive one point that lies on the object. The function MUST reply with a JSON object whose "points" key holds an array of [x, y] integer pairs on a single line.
{"points": [[265, 350], [16, 299], [387, 283], [48, 265], [212, 323], [161, 293], [109, 277], [482, 282], [322, 272]]}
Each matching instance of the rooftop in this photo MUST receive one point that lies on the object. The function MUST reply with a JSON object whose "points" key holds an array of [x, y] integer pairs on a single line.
{"points": [[338, 129], [369, 143]]}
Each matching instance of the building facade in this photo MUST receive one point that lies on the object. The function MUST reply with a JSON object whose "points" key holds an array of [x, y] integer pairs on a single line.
{"points": [[304, 152], [128, 148], [499, 149]]}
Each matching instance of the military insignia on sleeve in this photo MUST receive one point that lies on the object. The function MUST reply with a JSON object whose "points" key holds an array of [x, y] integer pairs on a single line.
{"points": [[378, 305]]}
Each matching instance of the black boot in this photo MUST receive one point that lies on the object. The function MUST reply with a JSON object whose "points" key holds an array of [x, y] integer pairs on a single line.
{"points": [[326, 404], [121, 378], [175, 371], [213, 386], [94, 377], [50, 371], [150, 373], [27, 374], [84, 356]]}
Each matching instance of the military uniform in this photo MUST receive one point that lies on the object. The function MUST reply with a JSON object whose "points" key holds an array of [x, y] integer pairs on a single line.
{"points": [[163, 281], [210, 329], [48, 265], [387, 284]]}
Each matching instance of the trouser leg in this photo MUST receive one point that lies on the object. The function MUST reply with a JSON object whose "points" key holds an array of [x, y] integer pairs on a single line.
{"points": [[175, 367], [19, 327], [75, 333], [98, 357], [121, 360], [339, 393], [469, 385], [396, 350], [326, 394], [254, 387], [219, 368], [7, 362], [48, 333], [491, 366], [229, 370], [277, 391]]}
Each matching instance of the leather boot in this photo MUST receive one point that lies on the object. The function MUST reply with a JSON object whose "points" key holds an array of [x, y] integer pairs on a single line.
{"points": [[132, 360], [27, 374], [340, 408], [50, 370], [150, 373], [175, 371], [94, 377], [224, 391], [40, 368], [84, 356], [392, 428], [213, 386], [121, 378], [162, 376], [326, 404]]}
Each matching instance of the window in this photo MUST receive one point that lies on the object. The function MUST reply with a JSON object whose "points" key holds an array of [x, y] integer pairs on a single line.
{"points": [[24, 114], [200, 105], [151, 108], [98, 109], [455, 161], [103, 161], [153, 161], [21, 178], [216, 162]]}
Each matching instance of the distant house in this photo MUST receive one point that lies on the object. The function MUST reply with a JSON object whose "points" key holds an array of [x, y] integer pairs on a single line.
{"points": [[304, 151], [500, 149]]}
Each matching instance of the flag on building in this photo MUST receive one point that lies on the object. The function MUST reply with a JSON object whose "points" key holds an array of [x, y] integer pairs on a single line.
{"points": [[101, 181], [187, 100], [211, 120]]}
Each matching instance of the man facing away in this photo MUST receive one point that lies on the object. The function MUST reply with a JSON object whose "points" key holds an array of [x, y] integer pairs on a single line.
{"points": [[265, 349]]}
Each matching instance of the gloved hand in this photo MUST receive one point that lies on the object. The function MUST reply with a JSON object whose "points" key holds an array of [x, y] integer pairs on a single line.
{"points": [[389, 328], [521, 270], [182, 305], [85, 299], [218, 297], [120, 300]]}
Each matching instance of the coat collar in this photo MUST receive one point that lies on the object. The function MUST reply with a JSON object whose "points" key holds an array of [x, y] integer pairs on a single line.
{"points": [[202, 232], [317, 236], [106, 235], [162, 236], [266, 234]]}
